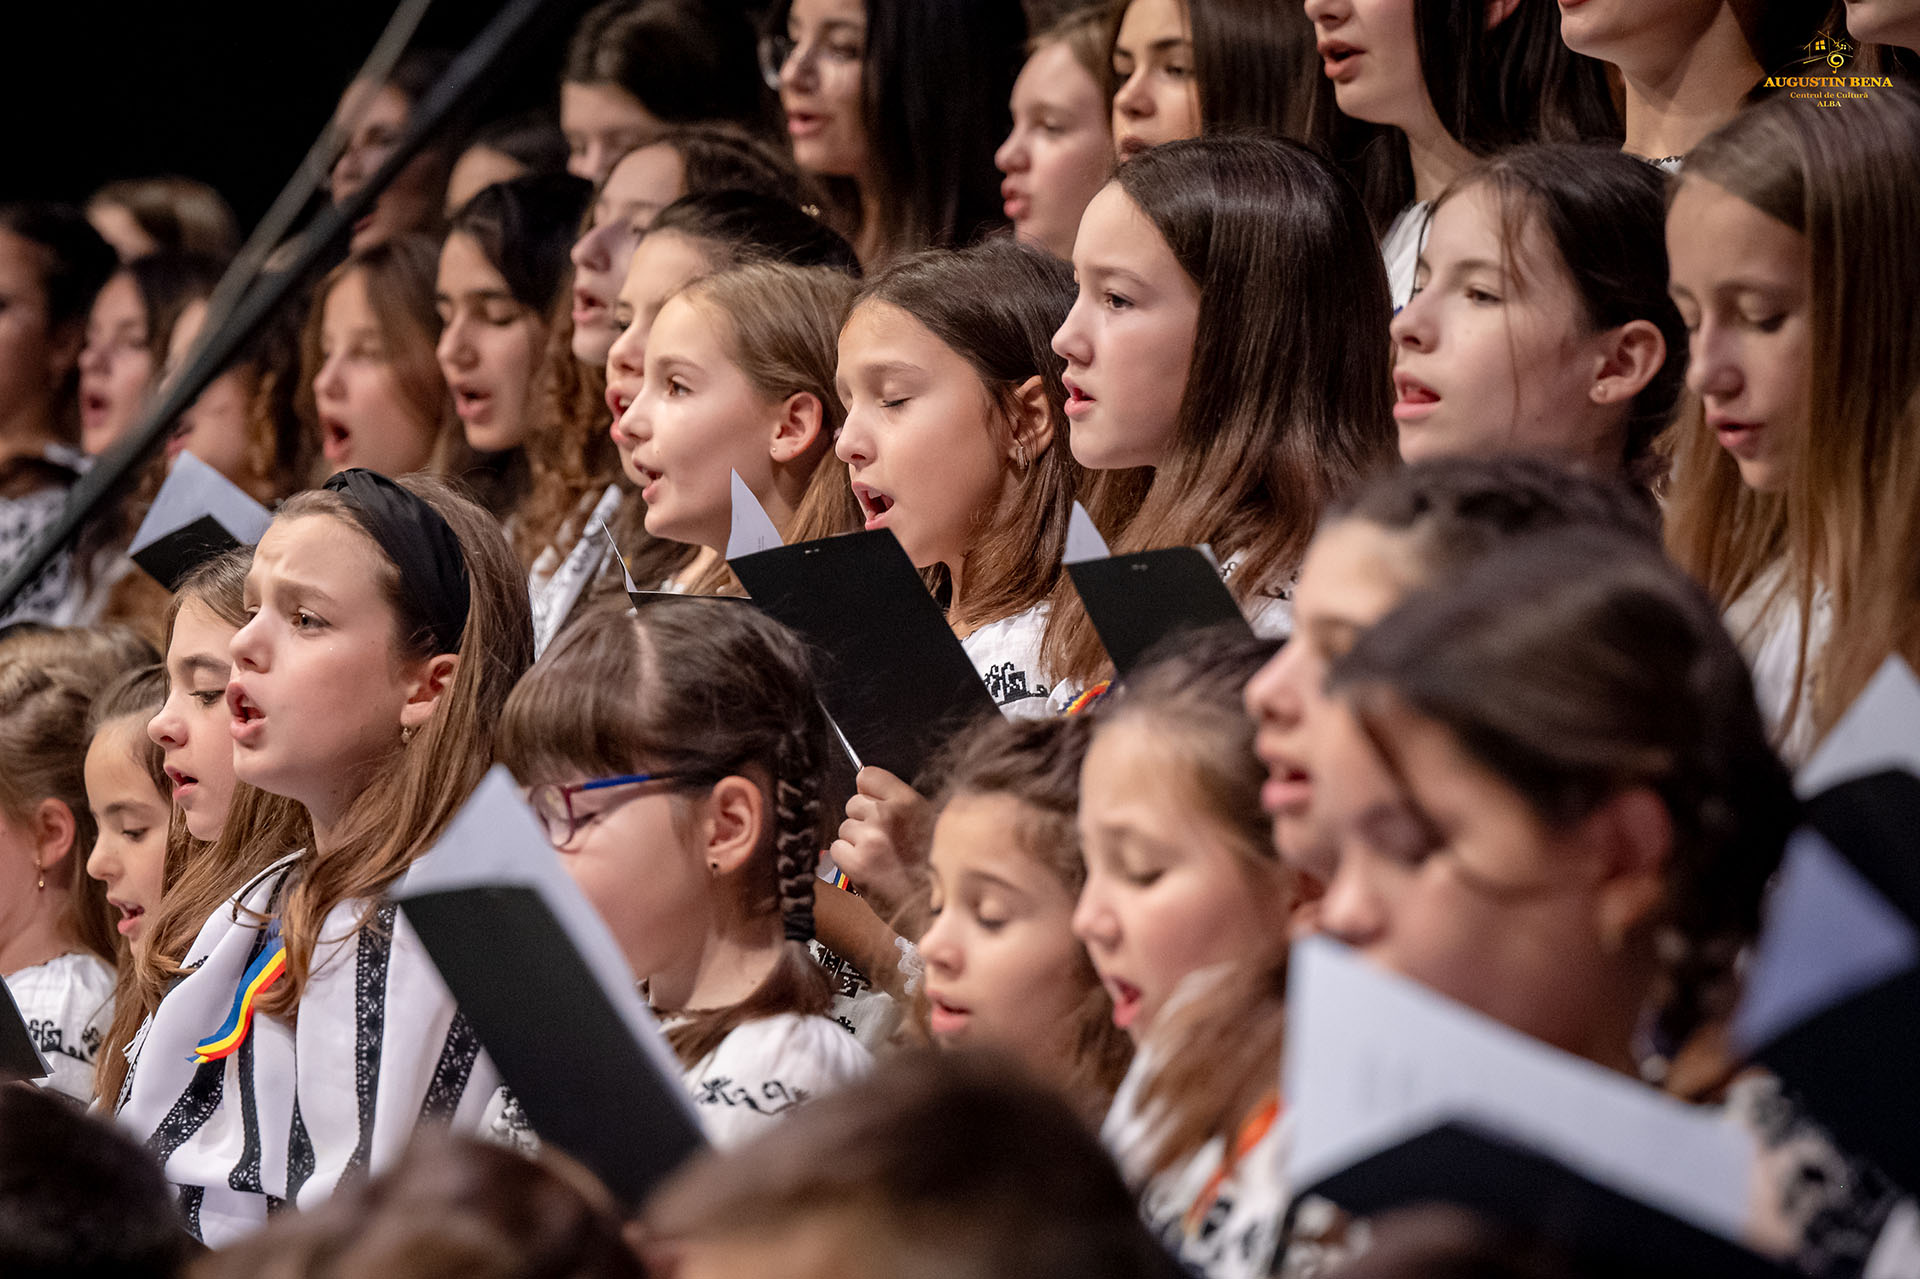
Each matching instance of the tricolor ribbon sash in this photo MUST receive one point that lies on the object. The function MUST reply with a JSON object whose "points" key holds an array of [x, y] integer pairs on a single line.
{"points": [[266, 969], [1085, 701]]}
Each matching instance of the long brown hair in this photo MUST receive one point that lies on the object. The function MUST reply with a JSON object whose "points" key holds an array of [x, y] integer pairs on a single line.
{"points": [[780, 326], [1849, 517], [708, 689], [1036, 763], [409, 803], [43, 725], [1289, 401], [997, 305], [1573, 665], [198, 877], [399, 275], [1218, 1057]]}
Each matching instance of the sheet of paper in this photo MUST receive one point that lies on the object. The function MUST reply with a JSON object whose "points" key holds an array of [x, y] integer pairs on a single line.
{"points": [[193, 489], [752, 530], [1374, 1059], [1083, 539], [626, 574], [1829, 936], [495, 840], [1881, 730]]}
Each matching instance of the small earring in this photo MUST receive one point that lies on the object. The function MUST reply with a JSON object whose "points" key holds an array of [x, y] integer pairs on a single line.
{"points": [[41, 886], [713, 865], [406, 734], [1020, 453]]}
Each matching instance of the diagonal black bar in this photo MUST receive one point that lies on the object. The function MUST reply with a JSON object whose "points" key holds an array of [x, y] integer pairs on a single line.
{"points": [[461, 83]]}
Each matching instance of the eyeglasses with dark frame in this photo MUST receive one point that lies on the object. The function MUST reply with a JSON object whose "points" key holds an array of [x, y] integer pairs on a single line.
{"points": [[553, 803]]}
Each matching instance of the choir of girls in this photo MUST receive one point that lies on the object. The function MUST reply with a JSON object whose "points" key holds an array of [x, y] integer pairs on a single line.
{"points": [[1541, 378]]}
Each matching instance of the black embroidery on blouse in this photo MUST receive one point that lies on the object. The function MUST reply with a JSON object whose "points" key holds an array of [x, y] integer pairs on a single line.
{"points": [[275, 1204], [190, 1110], [190, 1198], [775, 1097], [299, 1153], [245, 1176], [452, 1072], [375, 951], [1007, 684]]}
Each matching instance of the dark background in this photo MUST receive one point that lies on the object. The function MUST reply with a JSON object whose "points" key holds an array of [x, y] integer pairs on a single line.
{"points": [[232, 92]]}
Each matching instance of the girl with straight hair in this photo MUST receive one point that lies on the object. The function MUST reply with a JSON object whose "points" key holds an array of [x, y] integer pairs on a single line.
{"points": [[1226, 335], [1060, 151], [1796, 457], [899, 106], [1413, 93], [1540, 321], [1183, 68], [675, 756], [308, 978]]}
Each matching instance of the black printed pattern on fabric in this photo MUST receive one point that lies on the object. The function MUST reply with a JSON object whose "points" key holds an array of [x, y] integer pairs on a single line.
{"points": [[451, 1072], [50, 1038], [375, 949], [1843, 1200], [1007, 684], [849, 983], [775, 1097]]}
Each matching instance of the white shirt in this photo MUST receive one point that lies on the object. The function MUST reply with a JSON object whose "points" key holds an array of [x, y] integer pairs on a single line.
{"points": [[556, 583], [67, 1004], [767, 1067], [1220, 1225], [1006, 654], [378, 1049], [1765, 623], [1401, 246]]}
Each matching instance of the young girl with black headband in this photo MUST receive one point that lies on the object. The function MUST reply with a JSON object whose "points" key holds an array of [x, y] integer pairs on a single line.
{"points": [[313, 1033], [675, 756]]}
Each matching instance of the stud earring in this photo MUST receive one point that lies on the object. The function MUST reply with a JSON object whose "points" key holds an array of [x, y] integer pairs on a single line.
{"points": [[406, 733]]}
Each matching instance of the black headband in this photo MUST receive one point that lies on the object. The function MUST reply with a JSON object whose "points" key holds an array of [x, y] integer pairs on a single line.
{"points": [[421, 544]]}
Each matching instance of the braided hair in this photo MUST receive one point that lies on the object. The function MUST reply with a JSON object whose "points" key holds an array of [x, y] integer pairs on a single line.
{"points": [[1573, 665], [707, 689]]}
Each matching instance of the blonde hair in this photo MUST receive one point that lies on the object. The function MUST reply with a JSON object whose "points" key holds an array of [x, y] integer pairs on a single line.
{"points": [[780, 326], [1849, 516], [400, 815]]}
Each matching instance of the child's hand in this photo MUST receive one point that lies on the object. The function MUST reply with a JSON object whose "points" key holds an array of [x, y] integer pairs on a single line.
{"points": [[883, 843]]}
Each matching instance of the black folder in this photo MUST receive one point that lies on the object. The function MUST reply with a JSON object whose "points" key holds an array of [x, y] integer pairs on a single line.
{"points": [[197, 514], [1463, 1163], [537, 976], [1853, 1063], [19, 1057], [587, 1087], [891, 673], [1138, 601]]}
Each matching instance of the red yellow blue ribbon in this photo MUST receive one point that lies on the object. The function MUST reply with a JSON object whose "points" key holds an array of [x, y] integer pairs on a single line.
{"points": [[1088, 698], [266, 969]]}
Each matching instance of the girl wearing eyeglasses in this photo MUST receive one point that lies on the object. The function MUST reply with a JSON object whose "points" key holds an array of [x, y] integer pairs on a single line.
{"points": [[900, 106], [674, 756]]}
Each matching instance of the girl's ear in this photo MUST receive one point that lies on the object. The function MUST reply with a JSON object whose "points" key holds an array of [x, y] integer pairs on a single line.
{"points": [[797, 429], [1498, 11], [736, 814], [1633, 355], [1030, 422], [54, 830], [435, 676], [1632, 834]]}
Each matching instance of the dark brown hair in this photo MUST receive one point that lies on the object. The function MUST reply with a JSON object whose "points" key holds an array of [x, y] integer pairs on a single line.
{"points": [[684, 63], [1036, 763], [708, 689], [1254, 65], [943, 1164], [449, 1206], [1218, 1057], [1573, 665], [1604, 213], [1492, 87], [1849, 518], [997, 305], [1289, 401]]}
